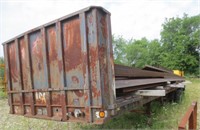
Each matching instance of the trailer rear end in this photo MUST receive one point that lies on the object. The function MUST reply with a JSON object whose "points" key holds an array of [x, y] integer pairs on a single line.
{"points": [[64, 70]]}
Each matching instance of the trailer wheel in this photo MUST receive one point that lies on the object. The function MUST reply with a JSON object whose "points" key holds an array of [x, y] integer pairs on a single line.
{"points": [[178, 95], [171, 97]]}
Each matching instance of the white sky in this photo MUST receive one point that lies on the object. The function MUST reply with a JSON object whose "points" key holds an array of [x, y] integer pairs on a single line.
{"points": [[129, 18]]}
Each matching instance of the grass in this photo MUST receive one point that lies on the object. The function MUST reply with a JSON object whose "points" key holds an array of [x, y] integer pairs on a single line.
{"points": [[3, 95], [163, 117], [169, 115]]}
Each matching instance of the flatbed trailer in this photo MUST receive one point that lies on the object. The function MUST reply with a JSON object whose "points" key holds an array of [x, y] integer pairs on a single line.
{"points": [[64, 70]]}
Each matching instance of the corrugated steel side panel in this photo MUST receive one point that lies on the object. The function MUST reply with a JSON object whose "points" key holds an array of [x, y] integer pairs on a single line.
{"points": [[63, 67]]}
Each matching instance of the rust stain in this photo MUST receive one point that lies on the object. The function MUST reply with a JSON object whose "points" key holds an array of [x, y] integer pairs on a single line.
{"points": [[93, 63], [57, 112], [27, 99], [95, 91], [37, 55], [56, 99], [79, 93], [37, 61], [60, 65], [23, 55], [55, 65], [52, 41], [16, 98], [27, 110], [37, 48], [102, 52], [17, 109], [75, 80], [13, 61], [72, 50], [84, 61], [87, 109], [86, 96], [90, 19], [104, 27], [87, 114], [93, 57], [63, 99]]}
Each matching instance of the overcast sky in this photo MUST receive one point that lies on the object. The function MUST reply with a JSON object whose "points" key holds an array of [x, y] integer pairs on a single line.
{"points": [[129, 18]]}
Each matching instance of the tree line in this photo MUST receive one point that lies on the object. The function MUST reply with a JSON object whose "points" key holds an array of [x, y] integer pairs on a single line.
{"points": [[178, 47]]}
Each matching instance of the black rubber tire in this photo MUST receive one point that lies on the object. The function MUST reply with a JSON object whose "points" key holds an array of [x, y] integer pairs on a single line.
{"points": [[178, 95]]}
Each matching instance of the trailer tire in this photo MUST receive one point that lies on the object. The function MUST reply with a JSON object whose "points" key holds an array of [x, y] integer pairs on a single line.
{"points": [[178, 95], [170, 97]]}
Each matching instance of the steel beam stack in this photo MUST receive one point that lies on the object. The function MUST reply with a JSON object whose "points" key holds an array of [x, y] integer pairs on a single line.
{"points": [[130, 79]]}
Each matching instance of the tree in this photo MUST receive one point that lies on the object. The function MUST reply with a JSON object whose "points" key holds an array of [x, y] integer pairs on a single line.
{"points": [[154, 53], [143, 52], [180, 43], [119, 49], [1, 69], [136, 52]]}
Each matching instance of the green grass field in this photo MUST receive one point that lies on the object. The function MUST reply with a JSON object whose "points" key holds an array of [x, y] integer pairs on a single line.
{"points": [[163, 117]]}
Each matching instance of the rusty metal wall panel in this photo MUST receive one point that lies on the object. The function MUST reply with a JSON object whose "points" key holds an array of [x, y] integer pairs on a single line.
{"points": [[20, 84], [87, 90], [100, 61], [73, 54], [24, 64], [102, 48], [61, 70], [53, 62], [36, 50], [111, 71], [94, 66], [17, 99], [30, 109], [13, 66]]}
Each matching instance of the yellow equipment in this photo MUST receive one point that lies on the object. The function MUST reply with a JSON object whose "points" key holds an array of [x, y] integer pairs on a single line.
{"points": [[179, 73]]}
